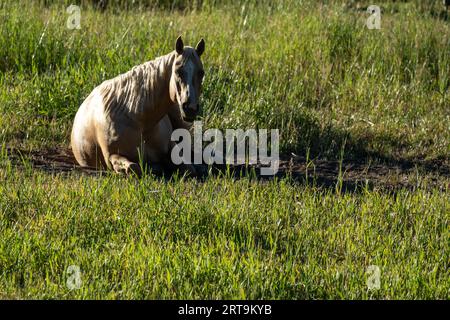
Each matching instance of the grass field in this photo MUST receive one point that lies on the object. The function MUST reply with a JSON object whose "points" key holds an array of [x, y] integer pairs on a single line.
{"points": [[336, 90]]}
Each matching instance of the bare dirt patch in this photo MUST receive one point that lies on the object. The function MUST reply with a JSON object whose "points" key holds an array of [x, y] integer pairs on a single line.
{"points": [[324, 173]]}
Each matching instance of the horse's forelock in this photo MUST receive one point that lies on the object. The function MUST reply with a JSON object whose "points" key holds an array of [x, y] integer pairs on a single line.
{"points": [[189, 54]]}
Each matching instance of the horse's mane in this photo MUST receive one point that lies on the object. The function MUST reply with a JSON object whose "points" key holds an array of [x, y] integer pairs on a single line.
{"points": [[134, 90]]}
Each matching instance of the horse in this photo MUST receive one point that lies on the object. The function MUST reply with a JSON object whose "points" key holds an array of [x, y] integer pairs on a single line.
{"points": [[129, 120]]}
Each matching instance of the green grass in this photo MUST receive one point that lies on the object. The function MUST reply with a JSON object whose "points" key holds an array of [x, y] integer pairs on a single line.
{"points": [[219, 239], [317, 75], [312, 71]]}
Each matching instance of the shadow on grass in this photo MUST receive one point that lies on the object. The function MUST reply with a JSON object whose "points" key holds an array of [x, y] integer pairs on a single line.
{"points": [[347, 175]]}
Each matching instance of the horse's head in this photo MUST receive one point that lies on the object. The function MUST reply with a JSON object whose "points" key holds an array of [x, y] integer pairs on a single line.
{"points": [[186, 79]]}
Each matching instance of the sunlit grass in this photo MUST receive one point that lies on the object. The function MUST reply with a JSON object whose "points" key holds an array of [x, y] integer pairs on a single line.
{"points": [[180, 239]]}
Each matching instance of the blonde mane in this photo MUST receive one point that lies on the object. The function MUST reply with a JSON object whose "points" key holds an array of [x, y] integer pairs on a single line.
{"points": [[138, 90]]}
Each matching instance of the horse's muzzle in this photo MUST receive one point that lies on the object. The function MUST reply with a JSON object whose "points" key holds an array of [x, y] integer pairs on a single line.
{"points": [[190, 112]]}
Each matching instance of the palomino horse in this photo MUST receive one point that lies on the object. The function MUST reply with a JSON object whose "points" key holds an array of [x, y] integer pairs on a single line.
{"points": [[130, 118]]}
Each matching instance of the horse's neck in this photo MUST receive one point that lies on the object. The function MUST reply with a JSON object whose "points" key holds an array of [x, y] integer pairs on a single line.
{"points": [[151, 82], [142, 93], [158, 88]]}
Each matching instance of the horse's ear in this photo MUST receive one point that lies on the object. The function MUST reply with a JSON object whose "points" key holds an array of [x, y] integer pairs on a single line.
{"points": [[179, 46], [200, 48]]}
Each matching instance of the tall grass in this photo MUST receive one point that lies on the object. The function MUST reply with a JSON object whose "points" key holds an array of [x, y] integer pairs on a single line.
{"points": [[312, 71], [315, 72]]}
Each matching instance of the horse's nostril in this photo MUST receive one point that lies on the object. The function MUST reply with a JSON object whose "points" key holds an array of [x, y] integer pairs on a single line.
{"points": [[190, 108], [193, 109]]}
